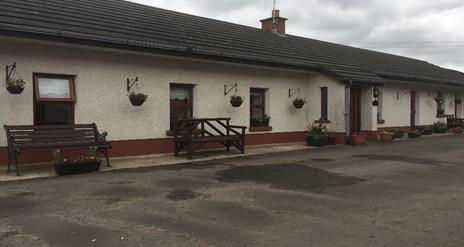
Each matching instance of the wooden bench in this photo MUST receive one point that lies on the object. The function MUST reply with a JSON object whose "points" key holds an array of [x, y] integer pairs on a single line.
{"points": [[454, 122], [28, 138], [192, 134]]}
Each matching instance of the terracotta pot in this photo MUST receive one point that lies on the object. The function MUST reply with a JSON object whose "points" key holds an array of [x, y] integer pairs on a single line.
{"points": [[386, 138], [457, 131], [359, 140]]}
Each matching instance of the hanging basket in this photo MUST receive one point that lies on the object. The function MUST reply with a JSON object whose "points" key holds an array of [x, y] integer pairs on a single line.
{"points": [[236, 101], [15, 89], [137, 99], [458, 101], [298, 103]]}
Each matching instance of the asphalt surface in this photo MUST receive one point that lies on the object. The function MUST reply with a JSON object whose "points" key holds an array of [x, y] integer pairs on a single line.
{"points": [[408, 193]]}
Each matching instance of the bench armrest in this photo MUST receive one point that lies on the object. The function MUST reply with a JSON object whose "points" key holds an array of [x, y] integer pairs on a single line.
{"points": [[102, 136]]}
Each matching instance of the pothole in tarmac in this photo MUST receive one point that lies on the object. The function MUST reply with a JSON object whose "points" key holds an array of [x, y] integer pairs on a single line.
{"points": [[287, 177], [182, 195]]}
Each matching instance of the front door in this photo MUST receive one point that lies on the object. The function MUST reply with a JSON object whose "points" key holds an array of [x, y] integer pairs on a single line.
{"points": [[413, 110], [355, 109]]}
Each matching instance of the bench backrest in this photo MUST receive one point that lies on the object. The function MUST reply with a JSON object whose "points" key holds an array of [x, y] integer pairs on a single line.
{"points": [[43, 137]]}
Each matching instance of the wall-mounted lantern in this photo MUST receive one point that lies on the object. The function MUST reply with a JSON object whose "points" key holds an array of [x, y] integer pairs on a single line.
{"points": [[136, 99], [298, 102], [13, 85], [235, 100]]}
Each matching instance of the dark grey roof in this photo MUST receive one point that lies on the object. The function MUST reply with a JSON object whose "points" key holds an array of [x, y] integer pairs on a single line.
{"points": [[129, 25]]}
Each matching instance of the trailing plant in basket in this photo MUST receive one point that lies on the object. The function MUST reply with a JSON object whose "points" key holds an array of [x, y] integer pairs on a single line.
{"points": [[298, 103], [263, 122], [236, 100], [137, 99], [15, 86], [440, 128]]}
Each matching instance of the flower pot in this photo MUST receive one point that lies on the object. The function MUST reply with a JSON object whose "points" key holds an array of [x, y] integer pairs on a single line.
{"points": [[236, 101], [317, 140], [386, 138], [137, 99], [457, 131], [359, 140], [77, 167], [298, 103], [15, 89], [414, 135]]}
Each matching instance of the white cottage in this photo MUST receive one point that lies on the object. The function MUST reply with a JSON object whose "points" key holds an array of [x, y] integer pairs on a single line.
{"points": [[77, 56]]}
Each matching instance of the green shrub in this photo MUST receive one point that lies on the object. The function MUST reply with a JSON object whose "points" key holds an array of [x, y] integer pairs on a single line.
{"points": [[397, 133], [425, 130], [440, 128]]}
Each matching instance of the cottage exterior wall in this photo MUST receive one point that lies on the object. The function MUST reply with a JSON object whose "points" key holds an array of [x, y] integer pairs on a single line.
{"points": [[396, 107], [102, 97]]}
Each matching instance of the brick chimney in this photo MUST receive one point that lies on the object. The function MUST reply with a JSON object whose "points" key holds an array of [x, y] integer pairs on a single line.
{"points": [[275, 24]]}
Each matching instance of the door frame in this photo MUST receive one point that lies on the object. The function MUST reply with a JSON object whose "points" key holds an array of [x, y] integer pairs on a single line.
{"points": [[413, 110]]}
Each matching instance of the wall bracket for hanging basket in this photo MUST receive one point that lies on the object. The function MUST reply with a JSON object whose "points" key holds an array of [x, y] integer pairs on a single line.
{"points": [[131, 83], [229, 87], [10, 69], [293, 91]]}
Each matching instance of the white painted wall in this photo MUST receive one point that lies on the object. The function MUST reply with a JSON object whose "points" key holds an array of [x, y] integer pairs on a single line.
{"points": [[397, 104], [102, 97]]}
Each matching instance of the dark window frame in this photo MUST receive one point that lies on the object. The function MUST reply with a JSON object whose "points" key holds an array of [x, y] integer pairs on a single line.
{"points": [[262, 104], [71, 102], [324, 104], [177, 105]]}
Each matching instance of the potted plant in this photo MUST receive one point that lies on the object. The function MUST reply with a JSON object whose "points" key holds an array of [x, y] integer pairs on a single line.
{"points": [[398, 133], [15, 86], [263, 122], [137, 99], [332, 137], [84, 164], [236, 101], [317, 136], [426, 130], [298, 103], [414, 134], [359, 139], [457, 131], [440, 128], [386, 137]]}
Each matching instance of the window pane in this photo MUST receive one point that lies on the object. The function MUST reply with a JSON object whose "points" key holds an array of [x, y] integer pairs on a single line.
{"points": [[257, 113], [181, 113], [180, 94], [54, 88], [256, 97], [52, 114]]}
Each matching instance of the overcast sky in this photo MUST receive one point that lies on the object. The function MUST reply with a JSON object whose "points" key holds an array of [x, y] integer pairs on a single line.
{"points": [[431, 30]]}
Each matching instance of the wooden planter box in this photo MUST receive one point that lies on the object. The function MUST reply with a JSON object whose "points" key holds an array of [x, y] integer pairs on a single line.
{"points": [[70, 168]]}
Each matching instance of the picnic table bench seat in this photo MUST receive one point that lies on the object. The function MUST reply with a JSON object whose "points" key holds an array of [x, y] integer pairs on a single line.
{"points": [[201, 131], [30, 138]]}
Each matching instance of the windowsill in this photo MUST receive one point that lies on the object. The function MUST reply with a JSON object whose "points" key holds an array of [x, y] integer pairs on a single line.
{"points": [[380, 121], [320, 121], [441, 116], [260, 129]]}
